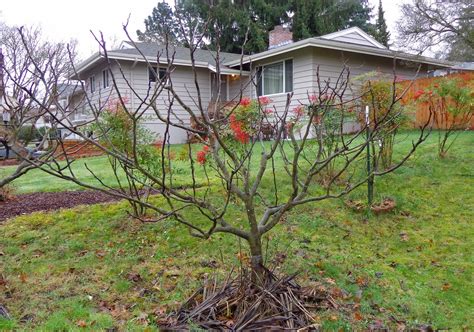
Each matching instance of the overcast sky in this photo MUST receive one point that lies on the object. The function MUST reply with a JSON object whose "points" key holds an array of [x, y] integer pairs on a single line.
{"points": [[62, 20]]}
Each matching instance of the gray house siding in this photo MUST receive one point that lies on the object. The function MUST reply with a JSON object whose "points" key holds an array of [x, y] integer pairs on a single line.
{"points": [[329, 64], [182, 79], [308, 63]]}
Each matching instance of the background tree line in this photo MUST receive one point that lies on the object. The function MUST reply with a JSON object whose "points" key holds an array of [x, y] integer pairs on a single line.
{"points": [[233, 23]]}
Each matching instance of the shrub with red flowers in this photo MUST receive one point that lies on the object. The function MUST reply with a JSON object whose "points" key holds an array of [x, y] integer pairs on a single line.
{"points": [[418, 94], [247, 117], [201, 155]]}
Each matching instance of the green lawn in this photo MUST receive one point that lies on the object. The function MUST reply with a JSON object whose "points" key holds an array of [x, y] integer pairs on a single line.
{"points": [[37, 180], [71, 268]]}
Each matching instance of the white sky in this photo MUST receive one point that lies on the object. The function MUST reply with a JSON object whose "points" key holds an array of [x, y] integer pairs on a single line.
{"points": [[62, 20]]}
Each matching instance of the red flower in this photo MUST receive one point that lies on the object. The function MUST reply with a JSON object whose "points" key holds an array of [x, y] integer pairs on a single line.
{"points": [[241, 136], [418, 94], [268, 111], [239, 133], [264, 100], [201, 156], [298, 111], [245, 102], [313, 98]]}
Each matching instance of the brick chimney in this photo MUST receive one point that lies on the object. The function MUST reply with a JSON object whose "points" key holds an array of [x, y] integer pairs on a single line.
{"points": [[279, 36]]}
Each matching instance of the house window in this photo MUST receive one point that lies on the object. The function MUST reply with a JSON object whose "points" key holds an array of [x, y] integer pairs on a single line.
{"points": [[92, 83], [275, 78], [152, 74], [105, 79]]}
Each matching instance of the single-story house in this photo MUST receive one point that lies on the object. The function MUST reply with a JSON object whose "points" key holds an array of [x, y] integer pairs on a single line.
{"points": [[285, 67]]}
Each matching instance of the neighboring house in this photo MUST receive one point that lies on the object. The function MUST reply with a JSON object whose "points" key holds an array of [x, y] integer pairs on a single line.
{"points": [[285, 67], [461, 67]]}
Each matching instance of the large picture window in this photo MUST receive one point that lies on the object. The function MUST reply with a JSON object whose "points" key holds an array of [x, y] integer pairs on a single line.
{"points": [[275, 78]]}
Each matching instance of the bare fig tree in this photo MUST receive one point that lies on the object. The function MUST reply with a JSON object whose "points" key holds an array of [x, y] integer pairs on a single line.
{"points": [[232, 168], [27, 60]]}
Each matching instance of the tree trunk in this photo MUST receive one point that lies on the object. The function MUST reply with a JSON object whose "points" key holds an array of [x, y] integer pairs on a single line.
{"points": [[256, 258]]}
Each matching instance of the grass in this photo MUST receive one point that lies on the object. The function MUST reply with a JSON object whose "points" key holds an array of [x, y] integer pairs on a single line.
{"points": [[84, 169], [75, 268]]}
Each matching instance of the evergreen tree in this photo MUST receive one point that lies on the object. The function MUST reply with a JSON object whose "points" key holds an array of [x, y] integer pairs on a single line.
{"points": [[230, 23], [381, 31], [160, 26], [312, 18], [225, 23]]}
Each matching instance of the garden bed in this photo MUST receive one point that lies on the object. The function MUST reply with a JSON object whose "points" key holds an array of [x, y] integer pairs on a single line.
{"points": [[43, 201]]}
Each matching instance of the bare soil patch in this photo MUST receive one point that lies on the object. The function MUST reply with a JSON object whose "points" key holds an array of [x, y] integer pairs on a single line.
{"points": [[29, 203]]}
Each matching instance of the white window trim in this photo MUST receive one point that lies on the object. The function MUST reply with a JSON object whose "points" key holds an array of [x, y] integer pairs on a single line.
{"points": [[284, 78], [92, 83], [105, 74]]}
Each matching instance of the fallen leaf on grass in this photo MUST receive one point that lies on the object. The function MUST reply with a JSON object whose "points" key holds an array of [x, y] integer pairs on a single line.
{"points": [[362, 282], [135, 277], [209, 263], [243, 258], [446, 286], [22, 277], [358, 315], [143, 319], [100, 253], [330, 281], [404, 237], [81, 323], [160, 311], [3, 281], [377, 325]]}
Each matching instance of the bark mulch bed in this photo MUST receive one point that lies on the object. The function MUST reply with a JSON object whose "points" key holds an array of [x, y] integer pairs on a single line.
{"points": [[9, 162], [29, 203]]}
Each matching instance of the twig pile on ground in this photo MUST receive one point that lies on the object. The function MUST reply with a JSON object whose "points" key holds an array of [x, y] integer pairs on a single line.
{"points": [[242, 304]]}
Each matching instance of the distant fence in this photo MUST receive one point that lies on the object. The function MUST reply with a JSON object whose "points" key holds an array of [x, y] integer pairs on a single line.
{"points": [[422, 113]]}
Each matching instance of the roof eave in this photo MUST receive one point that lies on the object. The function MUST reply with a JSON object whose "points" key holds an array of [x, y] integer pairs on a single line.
{"points": [[312, 42], [87, 64]]}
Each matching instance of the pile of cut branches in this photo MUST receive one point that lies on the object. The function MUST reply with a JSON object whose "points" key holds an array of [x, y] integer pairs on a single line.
{"points": [[243, 304]]}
